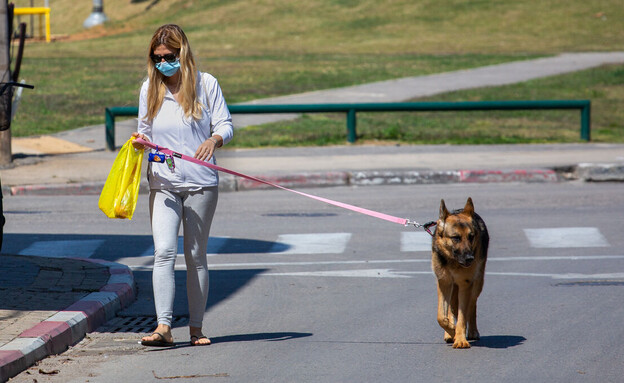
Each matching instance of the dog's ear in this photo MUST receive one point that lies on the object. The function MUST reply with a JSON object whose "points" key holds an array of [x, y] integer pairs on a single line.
{"points": [[439, 231], [469, 208], [443, 211]]}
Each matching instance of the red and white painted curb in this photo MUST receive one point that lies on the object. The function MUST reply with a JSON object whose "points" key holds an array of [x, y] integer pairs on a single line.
{"points": [[229, 183], [66, 328]]}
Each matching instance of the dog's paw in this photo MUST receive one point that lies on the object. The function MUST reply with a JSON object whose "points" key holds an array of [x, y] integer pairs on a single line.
{"points": [[461, 343]]}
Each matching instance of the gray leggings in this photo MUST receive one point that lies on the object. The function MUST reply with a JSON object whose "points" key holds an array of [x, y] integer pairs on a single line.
{"points": [[195, 210]]}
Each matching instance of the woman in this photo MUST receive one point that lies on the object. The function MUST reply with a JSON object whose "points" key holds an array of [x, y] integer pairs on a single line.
{"points": [[184, 110]]}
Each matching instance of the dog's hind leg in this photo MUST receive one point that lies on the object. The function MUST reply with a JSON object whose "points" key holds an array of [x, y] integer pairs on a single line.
{"points": [[454, 299], [473, 331]]}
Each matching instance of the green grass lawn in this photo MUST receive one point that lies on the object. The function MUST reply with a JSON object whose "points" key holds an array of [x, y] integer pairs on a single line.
{"points": [[60, 100], [263, 48]]}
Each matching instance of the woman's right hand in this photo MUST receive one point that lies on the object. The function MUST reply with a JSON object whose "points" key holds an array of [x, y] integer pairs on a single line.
{"points": [[137, 145]]}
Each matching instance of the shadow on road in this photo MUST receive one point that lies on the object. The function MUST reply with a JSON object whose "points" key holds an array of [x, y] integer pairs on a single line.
{"points": [[499, 341], [265, 336], [113, 247], [32, 248], [223, 284]]}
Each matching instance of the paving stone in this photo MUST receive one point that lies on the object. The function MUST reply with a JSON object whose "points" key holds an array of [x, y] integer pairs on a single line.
{"points": [[32, 289]]}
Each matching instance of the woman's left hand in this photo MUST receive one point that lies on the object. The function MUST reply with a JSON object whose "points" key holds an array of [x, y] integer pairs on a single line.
{"points": [[207, 148]]}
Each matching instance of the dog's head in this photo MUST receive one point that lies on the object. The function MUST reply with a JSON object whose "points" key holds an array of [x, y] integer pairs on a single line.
{"points": [[456, 233]]}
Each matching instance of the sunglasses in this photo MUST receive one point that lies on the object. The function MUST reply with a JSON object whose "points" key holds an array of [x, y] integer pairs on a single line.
{"points": [[169, 57]]}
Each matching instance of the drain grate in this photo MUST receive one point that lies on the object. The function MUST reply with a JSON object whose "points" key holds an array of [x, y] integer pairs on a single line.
{"points": [[138, 324]]}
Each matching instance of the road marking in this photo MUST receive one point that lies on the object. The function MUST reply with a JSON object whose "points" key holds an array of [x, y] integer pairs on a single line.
{"points": [[562, 276], [557, 258], [387, 273], [427, 260], [146, 264], [324, 243], [415, 241], [566, 237], [371, 273], [81, 248], [215, 266]]}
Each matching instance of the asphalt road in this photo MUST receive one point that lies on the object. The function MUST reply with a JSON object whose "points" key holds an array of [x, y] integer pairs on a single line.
{"points": [[306, 292]]}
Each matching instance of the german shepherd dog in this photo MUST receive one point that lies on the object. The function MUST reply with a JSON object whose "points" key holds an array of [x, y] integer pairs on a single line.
{"points": [[459, 252]]}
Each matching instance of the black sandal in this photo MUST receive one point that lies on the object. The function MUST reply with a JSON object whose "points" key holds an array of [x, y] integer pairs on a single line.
{"points": [[158, 342]]}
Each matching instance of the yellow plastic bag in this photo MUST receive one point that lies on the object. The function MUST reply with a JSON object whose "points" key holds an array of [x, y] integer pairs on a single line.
{"points": [[121, 190]]}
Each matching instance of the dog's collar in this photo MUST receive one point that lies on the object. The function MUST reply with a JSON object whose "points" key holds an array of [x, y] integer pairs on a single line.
{"points": [[427, 227]]}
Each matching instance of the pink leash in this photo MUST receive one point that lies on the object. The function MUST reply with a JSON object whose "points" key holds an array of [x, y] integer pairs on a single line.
{"points": [[390, 218]]}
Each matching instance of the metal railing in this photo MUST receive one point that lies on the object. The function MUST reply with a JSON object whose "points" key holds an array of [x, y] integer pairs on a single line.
{"points": [[351, 109]]}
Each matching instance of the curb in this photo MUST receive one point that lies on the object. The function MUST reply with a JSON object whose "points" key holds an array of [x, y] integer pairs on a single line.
{"points": [[66, 328], [56, 189], [228, 183], [600, 172]]}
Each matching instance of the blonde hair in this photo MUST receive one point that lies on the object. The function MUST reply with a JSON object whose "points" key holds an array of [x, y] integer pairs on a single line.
{"points": [[172, 36]]}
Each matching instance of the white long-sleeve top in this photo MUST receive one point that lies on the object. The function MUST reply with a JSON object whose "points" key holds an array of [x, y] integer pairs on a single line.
{"points": [[171, 129]]}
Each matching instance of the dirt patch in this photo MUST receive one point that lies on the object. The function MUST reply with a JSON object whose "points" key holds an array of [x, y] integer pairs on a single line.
{"points": [[46, 145]]}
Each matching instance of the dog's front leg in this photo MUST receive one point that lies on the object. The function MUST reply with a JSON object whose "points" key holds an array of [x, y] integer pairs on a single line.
{"points": [[445, 314], [464, 297]]}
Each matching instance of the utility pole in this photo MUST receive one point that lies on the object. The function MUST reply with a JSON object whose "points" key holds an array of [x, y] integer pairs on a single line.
{"points": [[7, 82], [6, 98], [6, 156]]}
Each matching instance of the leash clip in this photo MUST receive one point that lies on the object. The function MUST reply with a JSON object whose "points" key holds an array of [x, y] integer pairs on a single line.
{"points": [[425, 226], [413, 223]]}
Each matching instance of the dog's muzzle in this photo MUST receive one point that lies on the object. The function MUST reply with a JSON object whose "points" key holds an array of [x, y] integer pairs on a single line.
{"points": [[465, 259]]}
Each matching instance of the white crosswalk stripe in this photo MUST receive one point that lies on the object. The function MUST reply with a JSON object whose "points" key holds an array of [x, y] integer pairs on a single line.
{"points": [[324, 243], [310, 243], [63, 248], [566, 237], [415, 241]]}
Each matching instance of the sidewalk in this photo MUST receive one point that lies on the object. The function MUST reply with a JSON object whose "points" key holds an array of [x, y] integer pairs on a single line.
{"points": [[36, 320], [359, 165], [49, 304]]}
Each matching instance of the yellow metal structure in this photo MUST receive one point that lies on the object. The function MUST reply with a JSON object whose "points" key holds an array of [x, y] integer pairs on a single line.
{"points": [[43, 12]]}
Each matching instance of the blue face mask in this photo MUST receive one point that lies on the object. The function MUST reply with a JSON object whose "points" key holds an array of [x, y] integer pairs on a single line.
{"points": [[167, 68]]}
